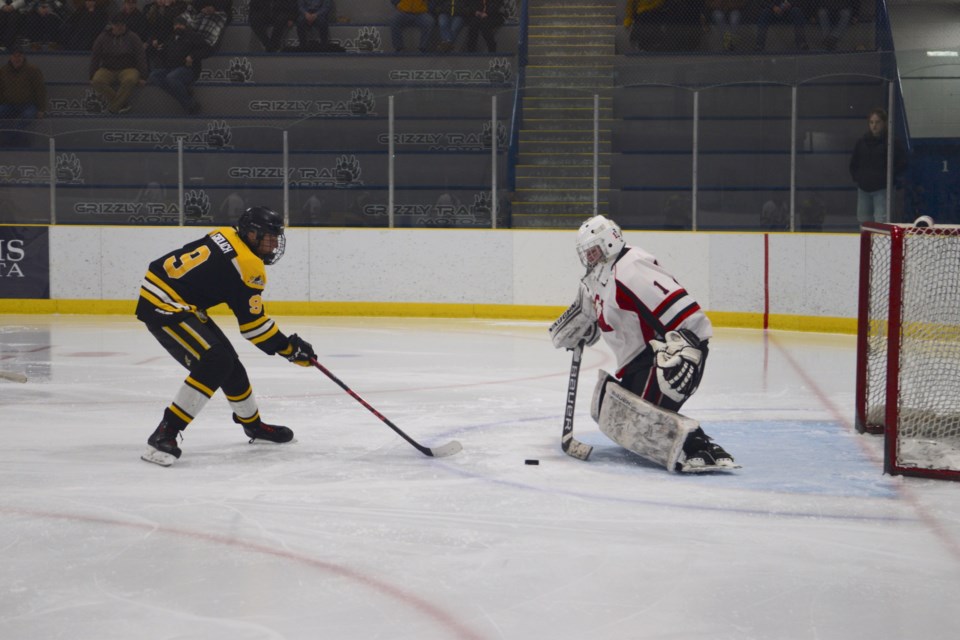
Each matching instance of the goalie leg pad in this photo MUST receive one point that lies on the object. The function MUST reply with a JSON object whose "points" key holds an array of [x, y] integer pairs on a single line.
{"points": [[643, 428], [598, 393]]}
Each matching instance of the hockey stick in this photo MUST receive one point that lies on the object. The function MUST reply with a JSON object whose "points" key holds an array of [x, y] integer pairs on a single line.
{"points": [[12, 377], [570, 445], [448, 449]]}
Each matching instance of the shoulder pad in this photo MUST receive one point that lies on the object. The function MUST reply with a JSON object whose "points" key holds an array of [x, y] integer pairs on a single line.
{"points": [[248, 264]]}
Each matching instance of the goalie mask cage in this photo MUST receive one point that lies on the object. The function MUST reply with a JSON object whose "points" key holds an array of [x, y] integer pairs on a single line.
{"points": [[908, 346]]}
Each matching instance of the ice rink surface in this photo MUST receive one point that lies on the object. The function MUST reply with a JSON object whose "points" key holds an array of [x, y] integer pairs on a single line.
{"points": [[351, 533]]}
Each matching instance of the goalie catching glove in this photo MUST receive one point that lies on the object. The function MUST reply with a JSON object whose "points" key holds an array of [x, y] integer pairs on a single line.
{"points": [[679, 361], [575, 324], [298, 351]]}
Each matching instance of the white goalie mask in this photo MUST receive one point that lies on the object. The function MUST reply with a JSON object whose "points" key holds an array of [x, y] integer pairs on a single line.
{"points": [[598, 241]]}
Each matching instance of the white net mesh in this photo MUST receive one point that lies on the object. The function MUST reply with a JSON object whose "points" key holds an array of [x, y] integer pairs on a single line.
{"points": [[876, 362], [928, 390], [929, 396]]}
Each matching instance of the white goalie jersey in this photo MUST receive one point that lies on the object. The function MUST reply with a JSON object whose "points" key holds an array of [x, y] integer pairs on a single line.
{"points": [[637, 301]]}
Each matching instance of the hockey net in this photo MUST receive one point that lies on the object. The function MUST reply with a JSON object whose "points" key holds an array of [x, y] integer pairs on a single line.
{"points": [[908, 346]]}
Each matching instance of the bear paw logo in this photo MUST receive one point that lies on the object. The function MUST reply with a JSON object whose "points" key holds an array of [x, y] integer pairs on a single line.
{"points": [[68, 168], [486, 135], [196, 204], [501, 134], [241, 12], [218, 134], [347, 170], [361, 102], [482, 204], [368, 39], [93, 103], [240, 70], [509, 10], [499, 71]]}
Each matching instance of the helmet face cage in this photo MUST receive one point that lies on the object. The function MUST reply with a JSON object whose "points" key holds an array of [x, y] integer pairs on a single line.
{"points": [[262, 221], [598, 240]]}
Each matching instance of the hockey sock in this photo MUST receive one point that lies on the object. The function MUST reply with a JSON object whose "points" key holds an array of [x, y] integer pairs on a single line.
{"points": [[189, 401], [244, 406]]}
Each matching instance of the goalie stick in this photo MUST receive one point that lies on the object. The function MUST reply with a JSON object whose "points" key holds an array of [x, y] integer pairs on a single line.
{"points": [[13, 377], [448, 449], [570, 445]]}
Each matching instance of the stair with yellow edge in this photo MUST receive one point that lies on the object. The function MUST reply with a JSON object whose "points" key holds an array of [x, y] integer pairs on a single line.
{"points": [[571, 49]]}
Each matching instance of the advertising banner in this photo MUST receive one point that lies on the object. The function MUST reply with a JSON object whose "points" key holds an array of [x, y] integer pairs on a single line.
{"points": [[24, 262]]}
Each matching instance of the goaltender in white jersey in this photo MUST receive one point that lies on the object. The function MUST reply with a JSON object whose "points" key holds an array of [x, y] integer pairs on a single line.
{"points": [[660, 337]]}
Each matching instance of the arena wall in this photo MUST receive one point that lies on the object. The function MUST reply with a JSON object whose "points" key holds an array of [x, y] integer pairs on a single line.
{"points": [[782, 281]]}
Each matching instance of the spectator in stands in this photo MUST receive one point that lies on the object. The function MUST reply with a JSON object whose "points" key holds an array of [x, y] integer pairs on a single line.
{"points": [[868, 168], [23, 97], [11, 22], [208, 18], [42, 26], [136, 20], [118, 59], [412, 13], [160, 15], [484, 17], [451, 16], [834, 16], [782, 11], [83, 26], [271, 19], [646, 21], [179, 64], [726, 16], [313, 16]]}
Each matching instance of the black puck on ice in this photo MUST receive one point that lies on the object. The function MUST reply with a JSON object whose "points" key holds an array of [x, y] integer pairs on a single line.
{"points": [[531, 461]]}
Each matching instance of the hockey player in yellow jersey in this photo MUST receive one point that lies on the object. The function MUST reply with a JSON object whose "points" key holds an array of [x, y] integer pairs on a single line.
{"points": [[225, 266]]}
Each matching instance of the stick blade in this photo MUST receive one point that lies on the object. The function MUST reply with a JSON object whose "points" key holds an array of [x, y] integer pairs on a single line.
{"points": [[13, 376], [577, 449], [445, 450]]}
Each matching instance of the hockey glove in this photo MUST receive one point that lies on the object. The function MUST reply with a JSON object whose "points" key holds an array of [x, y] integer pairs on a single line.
{"points": [[298, 351], [679, 362], [576, 323], [572, 327]]}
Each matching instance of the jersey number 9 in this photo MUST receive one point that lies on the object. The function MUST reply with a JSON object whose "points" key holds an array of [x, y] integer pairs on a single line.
{"points": [[178, 266]]}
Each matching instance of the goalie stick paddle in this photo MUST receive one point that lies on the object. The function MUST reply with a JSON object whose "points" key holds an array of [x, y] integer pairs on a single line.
{"points": [[13, 377], [570, 445], [448, 449]]}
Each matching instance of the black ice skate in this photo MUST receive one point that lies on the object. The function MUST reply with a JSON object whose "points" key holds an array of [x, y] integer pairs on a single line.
{"points": [[259, 430], [163, 449], [703, 455]]}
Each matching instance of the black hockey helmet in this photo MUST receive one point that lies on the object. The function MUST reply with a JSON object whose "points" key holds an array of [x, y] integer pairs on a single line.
{"points": [[262, 221]]}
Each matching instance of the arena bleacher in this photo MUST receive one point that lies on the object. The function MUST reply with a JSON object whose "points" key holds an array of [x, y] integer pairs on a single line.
{"points": [[330, 112]]}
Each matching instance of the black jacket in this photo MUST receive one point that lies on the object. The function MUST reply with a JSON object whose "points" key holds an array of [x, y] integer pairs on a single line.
{"points": [[179, 45], [868, 164]]}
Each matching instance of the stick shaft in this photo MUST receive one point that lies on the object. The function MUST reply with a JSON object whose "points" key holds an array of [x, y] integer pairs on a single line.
{"points": [[427, 451], [568, 443]]}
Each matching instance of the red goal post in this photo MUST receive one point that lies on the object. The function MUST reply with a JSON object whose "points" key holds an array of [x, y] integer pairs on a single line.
{"points": [[908, 346]]}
